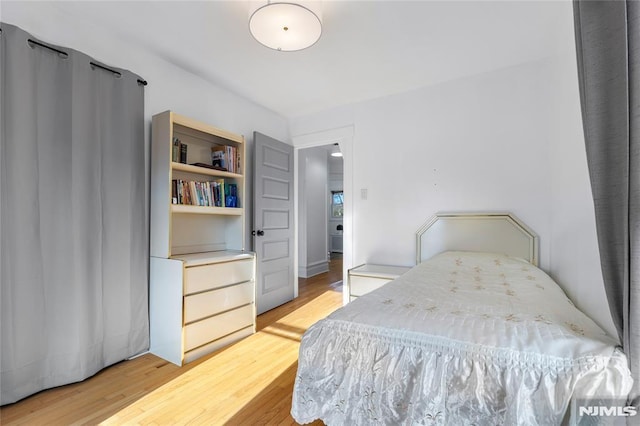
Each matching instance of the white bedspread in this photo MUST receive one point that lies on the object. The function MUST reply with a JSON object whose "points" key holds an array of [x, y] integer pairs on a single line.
{"points": [[464, 338]]}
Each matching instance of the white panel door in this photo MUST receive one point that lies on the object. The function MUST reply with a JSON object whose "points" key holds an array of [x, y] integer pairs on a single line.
{"points": [[273, 231]]}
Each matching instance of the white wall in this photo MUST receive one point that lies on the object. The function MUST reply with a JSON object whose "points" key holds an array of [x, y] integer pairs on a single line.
{"points": [[170, 87], [508, 140], [472, 144], [312, 208]]}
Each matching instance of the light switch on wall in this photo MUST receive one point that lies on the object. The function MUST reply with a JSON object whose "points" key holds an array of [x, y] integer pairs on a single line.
{"points": [[363, 193]]}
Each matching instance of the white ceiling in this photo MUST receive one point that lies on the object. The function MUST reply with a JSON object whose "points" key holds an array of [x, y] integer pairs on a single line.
{"points": [[367, 49]]}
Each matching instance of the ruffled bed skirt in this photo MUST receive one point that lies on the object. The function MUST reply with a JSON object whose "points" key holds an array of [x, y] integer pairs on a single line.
{"points": [[353, 374]]}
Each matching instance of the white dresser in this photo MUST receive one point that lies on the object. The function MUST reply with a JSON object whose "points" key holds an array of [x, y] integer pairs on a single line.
{"points": [[368, 277], [200, 302]]}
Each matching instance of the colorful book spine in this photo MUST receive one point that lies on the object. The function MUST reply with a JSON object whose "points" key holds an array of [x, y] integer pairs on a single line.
{"points": [[216, 193], [231, 195]]}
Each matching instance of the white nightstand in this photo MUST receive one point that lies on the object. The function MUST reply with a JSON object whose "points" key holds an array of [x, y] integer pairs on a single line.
{"points": [[368, 277]]}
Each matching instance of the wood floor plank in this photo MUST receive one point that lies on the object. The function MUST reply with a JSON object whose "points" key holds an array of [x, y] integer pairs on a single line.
{"points": [[248, 383]]}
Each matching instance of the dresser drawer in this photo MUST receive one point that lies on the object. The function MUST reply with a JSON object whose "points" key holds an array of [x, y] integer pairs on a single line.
{"points": [[209, 303], [212, 328], [214, 275], [217, 344], [363, 285]]}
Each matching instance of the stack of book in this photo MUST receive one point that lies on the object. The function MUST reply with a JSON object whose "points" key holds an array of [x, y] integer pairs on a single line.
{"points": [[226, 157], [178, 151], [208, 193]]}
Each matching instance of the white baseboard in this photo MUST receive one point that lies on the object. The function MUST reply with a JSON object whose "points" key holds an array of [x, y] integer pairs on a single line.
{"points": [[315, 268]]}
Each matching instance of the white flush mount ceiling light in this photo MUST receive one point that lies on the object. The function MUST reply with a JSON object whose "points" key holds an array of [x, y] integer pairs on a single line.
{"points": [[335, 151], [285, 26]]}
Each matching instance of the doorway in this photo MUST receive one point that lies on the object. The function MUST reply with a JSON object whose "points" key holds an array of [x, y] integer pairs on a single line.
{"points": [[320, 208], [343, 136]]}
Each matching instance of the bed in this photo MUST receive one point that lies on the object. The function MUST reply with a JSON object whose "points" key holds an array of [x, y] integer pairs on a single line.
{"points": [[475, 333]]}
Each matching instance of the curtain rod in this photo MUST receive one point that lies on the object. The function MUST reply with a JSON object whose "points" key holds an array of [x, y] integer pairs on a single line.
{"points": [[37, 43], [93, 64], [114, 72]]}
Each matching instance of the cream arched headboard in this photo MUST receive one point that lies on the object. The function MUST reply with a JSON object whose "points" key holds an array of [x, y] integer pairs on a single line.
{"points": [[486, 232]]}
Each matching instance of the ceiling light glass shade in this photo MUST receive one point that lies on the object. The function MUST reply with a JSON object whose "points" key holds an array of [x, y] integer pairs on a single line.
{"points": [[285, 26], [335, 151]]}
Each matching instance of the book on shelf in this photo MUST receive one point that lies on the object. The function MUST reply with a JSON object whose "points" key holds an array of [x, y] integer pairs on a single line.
{"points": [[231, 195], [216, 193], [183, 153], [174, 191], [219, 157], [209, 166], [230, 159], [220, 202], [175, 150], [227, 157]]}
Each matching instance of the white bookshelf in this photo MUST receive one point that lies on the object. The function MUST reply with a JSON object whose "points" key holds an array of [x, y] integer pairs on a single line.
{"points": [[202, 282]]}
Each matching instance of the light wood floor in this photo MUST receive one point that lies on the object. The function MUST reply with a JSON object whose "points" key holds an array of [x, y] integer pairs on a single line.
{"points": [[248, 383]]}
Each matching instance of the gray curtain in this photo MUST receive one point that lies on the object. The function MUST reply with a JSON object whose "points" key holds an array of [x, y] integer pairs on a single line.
{"points": [[608, 47], [73, 217]]}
